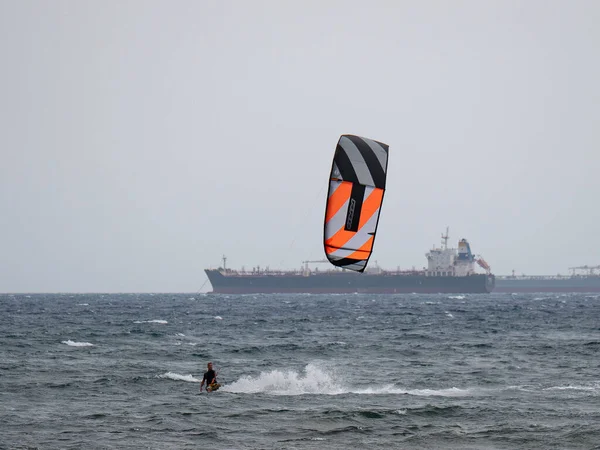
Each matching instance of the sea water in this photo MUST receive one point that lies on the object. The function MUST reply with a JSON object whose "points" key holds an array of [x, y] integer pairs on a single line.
{"points": [[495, 371]]}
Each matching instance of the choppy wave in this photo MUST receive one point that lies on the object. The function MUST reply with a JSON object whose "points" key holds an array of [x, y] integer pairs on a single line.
{"points": [[316, 380], [313, 380], [159, 321], [177, 377], [300, 371], [77, 344], [588, 388]]}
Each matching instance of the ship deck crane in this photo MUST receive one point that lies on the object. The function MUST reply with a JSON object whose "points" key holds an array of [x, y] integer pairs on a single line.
{"points": [[313, 261]]}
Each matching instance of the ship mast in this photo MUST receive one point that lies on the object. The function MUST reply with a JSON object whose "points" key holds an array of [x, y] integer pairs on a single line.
{"points": [[224, 262], [445, 239]]}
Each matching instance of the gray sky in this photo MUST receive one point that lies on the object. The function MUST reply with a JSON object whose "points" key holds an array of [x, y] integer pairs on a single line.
{"points": [[141, 140]]}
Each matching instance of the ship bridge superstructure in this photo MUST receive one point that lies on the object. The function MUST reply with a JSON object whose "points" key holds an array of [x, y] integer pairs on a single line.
{"points": [[452, 262]]}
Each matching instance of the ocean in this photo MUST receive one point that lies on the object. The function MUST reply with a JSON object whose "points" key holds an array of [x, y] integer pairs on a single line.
{"points": [[122, 371]]}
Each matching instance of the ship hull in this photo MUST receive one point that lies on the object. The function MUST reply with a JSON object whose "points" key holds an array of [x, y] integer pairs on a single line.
{"points": [[346, 283], [547, 284]]}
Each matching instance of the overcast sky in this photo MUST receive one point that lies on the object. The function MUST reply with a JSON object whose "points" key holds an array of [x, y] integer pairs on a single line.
{"points": [[141, 140]]}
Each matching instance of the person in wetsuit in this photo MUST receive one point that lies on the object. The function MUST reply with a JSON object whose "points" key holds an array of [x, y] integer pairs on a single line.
{"points": [[210, 377]]}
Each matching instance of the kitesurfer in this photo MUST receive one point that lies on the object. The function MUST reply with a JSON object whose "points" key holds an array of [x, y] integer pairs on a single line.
{"points": [[210, 377]]}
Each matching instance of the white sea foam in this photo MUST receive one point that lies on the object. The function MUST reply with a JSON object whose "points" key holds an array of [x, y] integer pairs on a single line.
{"points": [[593, 388], [218, 318], [451, 392], [289, 382], [77, 344], [391, 389], [152, 321], [457, 297], [176, 377], [316, 380]]}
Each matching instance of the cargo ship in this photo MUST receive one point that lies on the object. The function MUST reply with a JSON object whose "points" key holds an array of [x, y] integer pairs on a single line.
{"points": [[581, 279], [449, 270]]}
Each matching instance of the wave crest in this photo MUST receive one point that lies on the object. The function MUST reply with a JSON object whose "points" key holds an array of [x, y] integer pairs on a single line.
{"points": [[77, 344]]}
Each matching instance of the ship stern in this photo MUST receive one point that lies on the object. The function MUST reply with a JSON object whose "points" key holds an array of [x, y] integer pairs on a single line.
{"points": [[490, 283]]}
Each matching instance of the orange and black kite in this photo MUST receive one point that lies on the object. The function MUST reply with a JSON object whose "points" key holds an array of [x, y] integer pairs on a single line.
{"points": [[356, 187]]}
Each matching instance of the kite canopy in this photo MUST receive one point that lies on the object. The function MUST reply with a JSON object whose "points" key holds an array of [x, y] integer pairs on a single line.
{"points": [[356, 187]]}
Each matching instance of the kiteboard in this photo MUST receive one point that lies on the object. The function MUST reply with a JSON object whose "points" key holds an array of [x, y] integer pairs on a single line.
{"points": [[213, 387]]}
